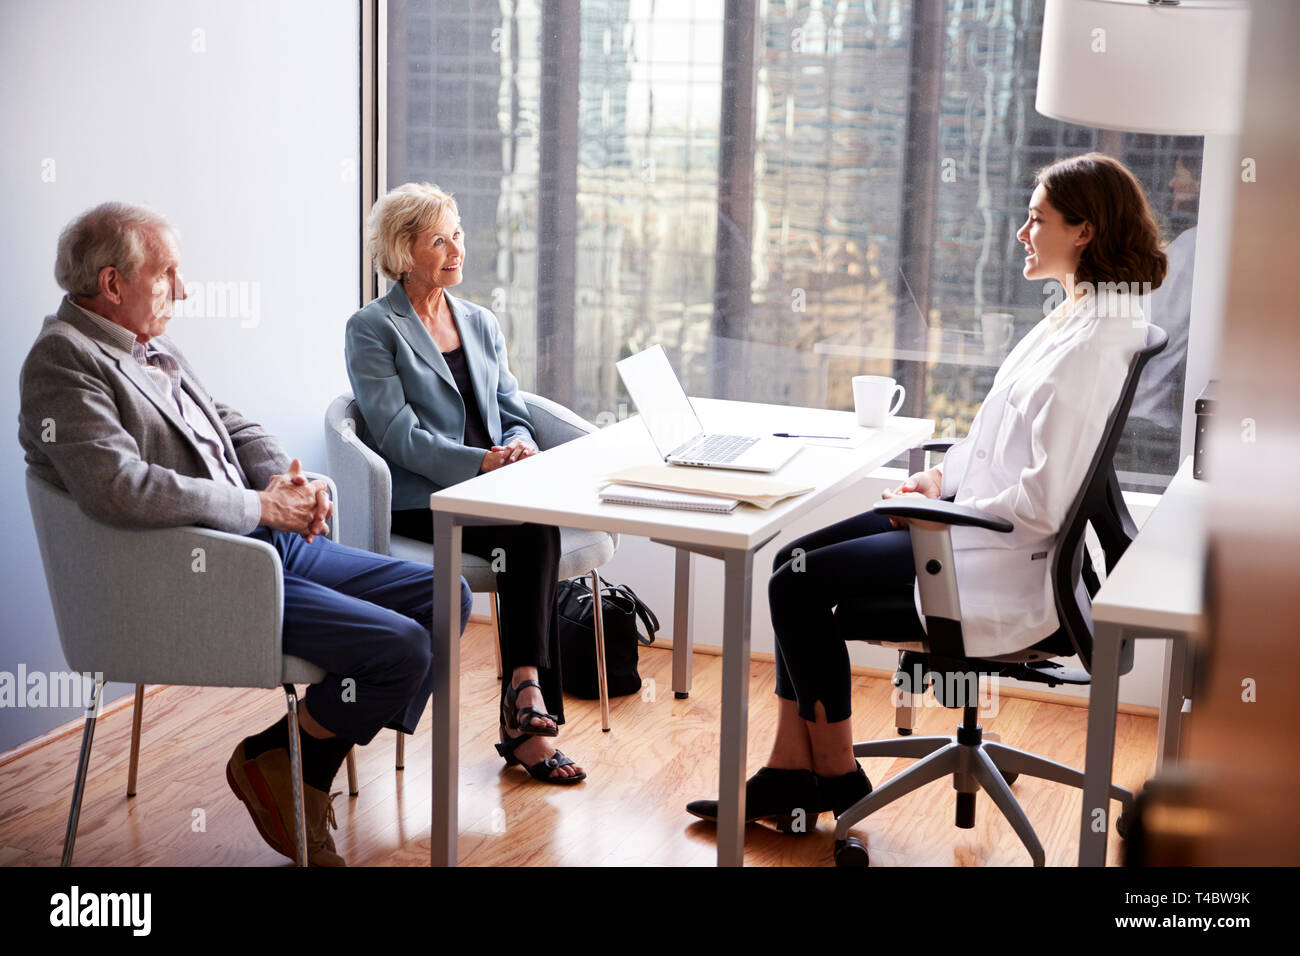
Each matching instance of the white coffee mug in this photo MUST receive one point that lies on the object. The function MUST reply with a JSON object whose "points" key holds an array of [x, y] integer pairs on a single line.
{"points": [[875, 398], [997, 327]]}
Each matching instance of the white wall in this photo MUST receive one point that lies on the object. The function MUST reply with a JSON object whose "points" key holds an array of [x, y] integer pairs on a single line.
{"points": [[237, 119]]}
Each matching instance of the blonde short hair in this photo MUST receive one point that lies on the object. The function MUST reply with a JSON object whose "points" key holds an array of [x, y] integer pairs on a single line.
{"points": [[398, 218]]}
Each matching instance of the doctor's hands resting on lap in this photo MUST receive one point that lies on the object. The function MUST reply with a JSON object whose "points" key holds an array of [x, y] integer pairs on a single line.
{"points": [[923, 484]]}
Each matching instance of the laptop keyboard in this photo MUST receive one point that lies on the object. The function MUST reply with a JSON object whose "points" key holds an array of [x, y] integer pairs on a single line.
{"points": [[717, 448]]}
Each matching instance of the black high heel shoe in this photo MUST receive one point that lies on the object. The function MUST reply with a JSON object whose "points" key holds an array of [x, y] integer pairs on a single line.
{"points": [[840, 793], [527, 719], [790, 798], [542, 769]]}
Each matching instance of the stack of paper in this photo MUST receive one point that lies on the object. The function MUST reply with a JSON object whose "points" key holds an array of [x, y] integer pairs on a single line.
{"points": [[761, 492]]}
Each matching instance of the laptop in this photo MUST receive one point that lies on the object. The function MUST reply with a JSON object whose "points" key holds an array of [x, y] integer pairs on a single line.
{"points": [[676, 430]]}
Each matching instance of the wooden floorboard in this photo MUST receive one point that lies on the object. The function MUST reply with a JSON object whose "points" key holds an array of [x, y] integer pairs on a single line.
{"points": [[661, 753]]}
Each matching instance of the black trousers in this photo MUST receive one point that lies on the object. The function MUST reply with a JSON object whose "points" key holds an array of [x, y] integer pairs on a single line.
{"points": [[861, 559], [527, 558]]}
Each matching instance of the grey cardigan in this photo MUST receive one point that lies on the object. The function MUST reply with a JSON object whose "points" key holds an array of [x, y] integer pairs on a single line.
{"points": [[413, 412]]}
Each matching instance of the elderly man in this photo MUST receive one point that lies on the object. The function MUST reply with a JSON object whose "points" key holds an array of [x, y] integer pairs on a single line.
{"points": [[141, 443]]}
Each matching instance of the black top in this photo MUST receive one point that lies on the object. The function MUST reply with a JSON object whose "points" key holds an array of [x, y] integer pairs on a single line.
{"points": [[476, 433]]}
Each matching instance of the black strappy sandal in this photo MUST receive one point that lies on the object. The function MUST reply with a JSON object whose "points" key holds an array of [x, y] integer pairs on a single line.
{"points": [[542, 769], [527, 719]]}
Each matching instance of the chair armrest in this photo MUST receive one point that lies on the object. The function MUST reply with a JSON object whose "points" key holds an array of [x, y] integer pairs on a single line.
{"points": [[932, 555], [938, 444], [553, 423], [334, 497], [938, 511]]}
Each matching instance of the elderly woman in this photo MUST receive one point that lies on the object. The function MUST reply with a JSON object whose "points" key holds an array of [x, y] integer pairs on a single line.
{"points": [[431, 379], [1024, 459]]}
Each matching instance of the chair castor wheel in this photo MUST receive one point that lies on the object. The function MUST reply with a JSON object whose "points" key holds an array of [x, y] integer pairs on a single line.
{"points": [[1010, 778], [851, 852], [1121, 826]]}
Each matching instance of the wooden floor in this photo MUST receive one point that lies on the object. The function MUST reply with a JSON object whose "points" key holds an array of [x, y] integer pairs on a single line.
{"points": [[661, 753]]}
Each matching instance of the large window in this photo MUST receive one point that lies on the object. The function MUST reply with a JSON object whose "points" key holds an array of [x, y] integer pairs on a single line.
{"points": [[783, 194]]}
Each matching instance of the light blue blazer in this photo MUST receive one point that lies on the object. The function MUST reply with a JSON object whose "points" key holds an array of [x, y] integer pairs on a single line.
{"points": [[413, 412]]}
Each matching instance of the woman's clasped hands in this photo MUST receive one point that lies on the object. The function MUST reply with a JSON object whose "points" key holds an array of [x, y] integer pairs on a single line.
{"points": [[499, 455]]}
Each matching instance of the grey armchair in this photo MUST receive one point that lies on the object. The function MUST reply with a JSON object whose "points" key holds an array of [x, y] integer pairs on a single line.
{"points": [[220, 625], [365, 485]]}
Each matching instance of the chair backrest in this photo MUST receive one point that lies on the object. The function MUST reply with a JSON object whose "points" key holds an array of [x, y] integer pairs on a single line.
{"points": [[1101, 504], [362, 476], [365, 483]]}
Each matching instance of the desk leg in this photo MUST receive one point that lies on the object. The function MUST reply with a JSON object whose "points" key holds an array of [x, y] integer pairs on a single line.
{"points": [[446, 689], [1171, 707], [1102, 700], [739, 566], [683, 621]]}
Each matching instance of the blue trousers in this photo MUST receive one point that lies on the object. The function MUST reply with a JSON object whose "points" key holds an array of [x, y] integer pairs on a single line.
{"points": [[851, 578], [366, 619]]}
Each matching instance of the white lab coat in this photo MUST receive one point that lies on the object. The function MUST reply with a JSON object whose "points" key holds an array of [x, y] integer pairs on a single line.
{"points": [[1025, 459]]}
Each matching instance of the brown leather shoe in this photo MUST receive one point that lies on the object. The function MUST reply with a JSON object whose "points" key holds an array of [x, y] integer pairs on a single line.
{"points": [[319, 809], [265, 786]]}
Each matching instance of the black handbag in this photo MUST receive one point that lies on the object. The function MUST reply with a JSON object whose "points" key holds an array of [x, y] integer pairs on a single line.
{"points": [[578, 637]]}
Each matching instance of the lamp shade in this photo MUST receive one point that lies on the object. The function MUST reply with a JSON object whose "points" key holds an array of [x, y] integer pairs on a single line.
{"points": [[1144, 68]]}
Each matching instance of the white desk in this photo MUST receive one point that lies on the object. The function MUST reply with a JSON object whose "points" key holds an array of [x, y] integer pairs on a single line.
{"points": [[1156, 591], [559, 487]]}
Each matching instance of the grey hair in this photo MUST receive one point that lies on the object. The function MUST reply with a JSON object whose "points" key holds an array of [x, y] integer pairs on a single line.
{"points": [[112, 234]]}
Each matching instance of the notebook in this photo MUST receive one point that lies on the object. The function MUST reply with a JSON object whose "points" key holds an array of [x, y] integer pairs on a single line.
{"points": [[655, 498], [750, 489]]}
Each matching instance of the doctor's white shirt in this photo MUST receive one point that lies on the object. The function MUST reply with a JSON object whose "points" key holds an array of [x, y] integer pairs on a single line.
{"points": [[1025, 459]]}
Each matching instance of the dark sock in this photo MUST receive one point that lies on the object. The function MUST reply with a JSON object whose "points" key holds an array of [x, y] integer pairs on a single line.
{"points": [[277, 735], [321, 759]]}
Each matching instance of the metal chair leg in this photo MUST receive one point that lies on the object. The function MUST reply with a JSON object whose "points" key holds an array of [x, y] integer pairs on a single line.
{"points": [[401, 751], [496, 631], [83, 765], [602, 679], [904, 709], [137, 714], [1013, 760], [991, 779], [295, 774], [352, 772], [942, 763]]}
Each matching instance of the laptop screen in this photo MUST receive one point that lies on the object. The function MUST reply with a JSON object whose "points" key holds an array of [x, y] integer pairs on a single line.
{"points": [[660, 399]]}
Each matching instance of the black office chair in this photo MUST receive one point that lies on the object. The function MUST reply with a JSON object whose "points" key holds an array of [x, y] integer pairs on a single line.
{"points": [[943, 663]]}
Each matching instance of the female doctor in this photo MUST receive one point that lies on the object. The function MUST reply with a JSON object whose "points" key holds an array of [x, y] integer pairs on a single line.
{"points": [[1089, 228]]}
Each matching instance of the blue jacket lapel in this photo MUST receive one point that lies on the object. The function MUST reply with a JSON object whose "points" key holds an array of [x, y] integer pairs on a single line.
{"points": [[415, 334]]}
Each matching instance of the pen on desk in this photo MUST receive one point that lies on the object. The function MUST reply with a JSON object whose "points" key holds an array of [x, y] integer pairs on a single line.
{"points": [[788, 435]]}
